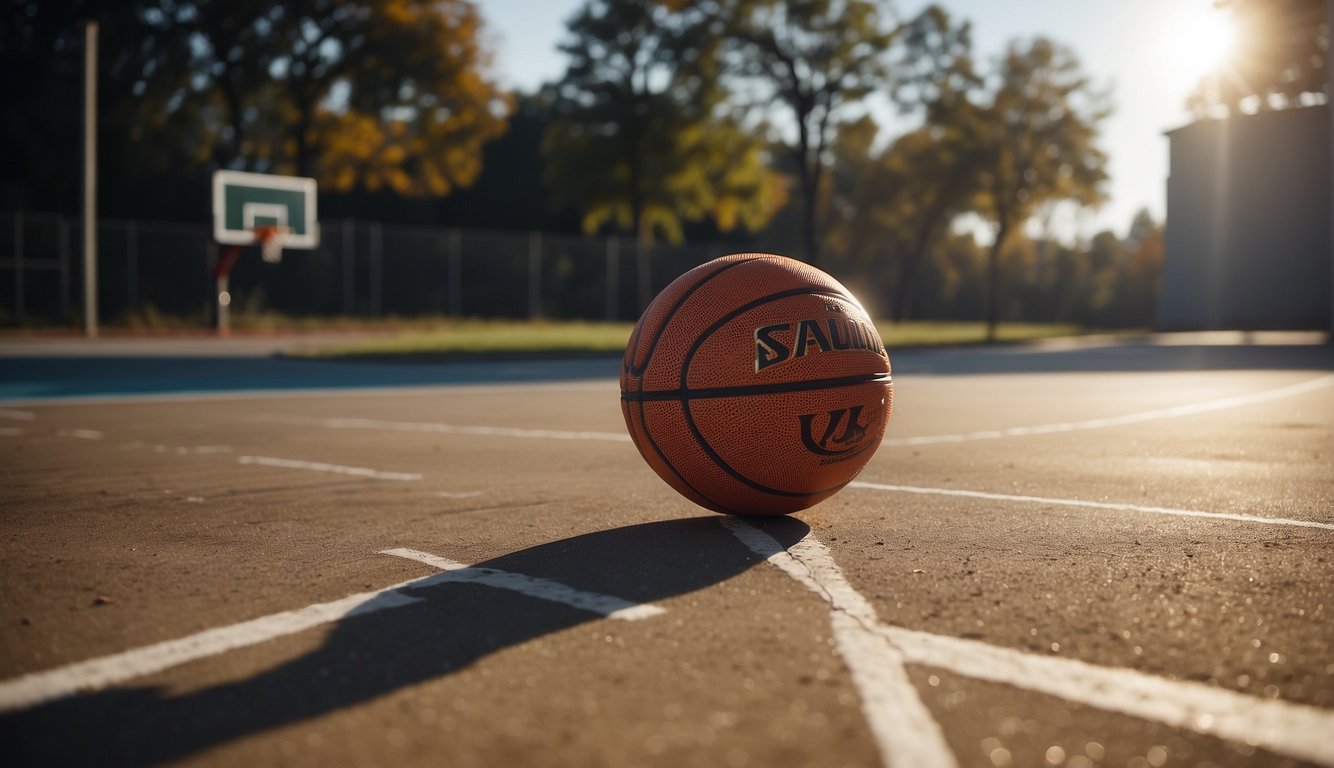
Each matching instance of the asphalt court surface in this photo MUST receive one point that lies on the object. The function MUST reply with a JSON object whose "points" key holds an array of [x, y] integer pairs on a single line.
{"points": [[1114, 554]]}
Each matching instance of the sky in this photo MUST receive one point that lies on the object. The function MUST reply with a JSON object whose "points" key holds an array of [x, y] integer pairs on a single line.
{"points": [[1141, 48]]}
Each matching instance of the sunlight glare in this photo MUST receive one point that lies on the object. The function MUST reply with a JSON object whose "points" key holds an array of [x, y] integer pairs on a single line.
{"points": [[1197, 41]]}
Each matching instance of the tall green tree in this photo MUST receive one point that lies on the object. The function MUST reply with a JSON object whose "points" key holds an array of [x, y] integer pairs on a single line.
{"points": [[644, 138], [818, 59], [1037, 126]]}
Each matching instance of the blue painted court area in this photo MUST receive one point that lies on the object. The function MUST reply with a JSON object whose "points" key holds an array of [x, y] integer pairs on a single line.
{"points": [[30, 378]]}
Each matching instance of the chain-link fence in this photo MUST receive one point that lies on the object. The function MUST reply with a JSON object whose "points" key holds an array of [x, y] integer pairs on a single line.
{"points": [[361, 268]]}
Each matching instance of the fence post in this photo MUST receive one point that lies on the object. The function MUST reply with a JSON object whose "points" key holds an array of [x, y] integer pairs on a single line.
{"points": [[18, 267], [377, 267], [63, 235], [534, 275], [221, 299], [613, 277], [645, 280], [132, 266], [348, 266], [455, 272]]}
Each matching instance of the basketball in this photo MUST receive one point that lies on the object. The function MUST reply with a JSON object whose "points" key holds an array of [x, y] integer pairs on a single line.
{"points": [[756, 384]]}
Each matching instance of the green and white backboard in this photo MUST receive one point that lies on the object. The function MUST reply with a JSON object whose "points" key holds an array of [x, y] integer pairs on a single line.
{"points": [[244, 201]]}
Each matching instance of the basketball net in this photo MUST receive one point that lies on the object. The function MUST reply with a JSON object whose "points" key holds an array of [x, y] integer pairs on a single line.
{"points": [[271, 241]]}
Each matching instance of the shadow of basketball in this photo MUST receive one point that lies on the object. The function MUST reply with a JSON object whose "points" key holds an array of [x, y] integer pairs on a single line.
{"points": [[373, 654]]}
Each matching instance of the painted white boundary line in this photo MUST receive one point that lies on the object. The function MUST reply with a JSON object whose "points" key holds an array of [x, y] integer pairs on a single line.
{"points": [[454, 429], [80, 434], [1090, 504], [319, 466], [17, 415], [904, 730], [545, 589], [40, 687], [1281, 727], [1189, 409], [608, 383], [620, 437], [1294, 730]]}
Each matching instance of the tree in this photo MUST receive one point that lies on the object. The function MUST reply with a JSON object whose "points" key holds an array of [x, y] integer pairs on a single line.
{"points": [[891, 207], [1279, 59], [1037, 127], [819, 59], [375, 93], [643, 137]]}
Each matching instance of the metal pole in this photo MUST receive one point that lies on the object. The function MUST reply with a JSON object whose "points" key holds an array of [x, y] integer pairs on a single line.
{"points": [[224, 306], [613, 277], [377, 267], [534, 275], [222, 298], [18, 267], [90, 179], [456, 271]]}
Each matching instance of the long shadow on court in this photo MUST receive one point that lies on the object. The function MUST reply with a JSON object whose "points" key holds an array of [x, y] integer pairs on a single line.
{"points": [[367, 656]]}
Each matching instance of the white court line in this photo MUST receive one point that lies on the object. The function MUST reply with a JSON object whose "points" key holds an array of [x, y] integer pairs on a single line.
{"points": [[319, 466], [458, 494], [1189, 409], [81, 434], [5, 413], [192, 450], [454, 429], [36, 688], [1091, 504], [40, 687], [546, 589], [905, 732], [315, 392], [620, 437], [179, 450], [1293, 730]]}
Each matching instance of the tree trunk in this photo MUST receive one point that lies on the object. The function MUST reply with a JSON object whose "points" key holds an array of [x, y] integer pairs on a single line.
{"points": [[810, 224], [235, 117], [810, 182], [304, 162], [993, 280]]}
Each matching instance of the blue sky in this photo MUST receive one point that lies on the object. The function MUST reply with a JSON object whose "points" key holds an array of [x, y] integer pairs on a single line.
{"points": [[1135, 46]]}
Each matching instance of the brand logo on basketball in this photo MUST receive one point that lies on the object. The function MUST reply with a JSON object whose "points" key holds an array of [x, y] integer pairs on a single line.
{"points": [[838, 434], [782, 342]]}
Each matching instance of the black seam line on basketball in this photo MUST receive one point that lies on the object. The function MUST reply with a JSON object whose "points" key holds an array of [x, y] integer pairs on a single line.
{"points": [[690, 419], [634, 370], [643, 427], [755, 389]]}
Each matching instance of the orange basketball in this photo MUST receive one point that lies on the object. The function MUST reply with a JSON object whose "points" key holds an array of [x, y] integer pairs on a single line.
{"points": [[756, 385]]}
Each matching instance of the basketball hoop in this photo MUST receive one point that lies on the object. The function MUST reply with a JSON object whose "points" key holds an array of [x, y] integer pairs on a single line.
{"points": [[271, 241]]}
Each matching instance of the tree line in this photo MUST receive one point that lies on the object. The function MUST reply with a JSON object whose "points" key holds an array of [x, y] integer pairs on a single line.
{"points": [[746, 120]]}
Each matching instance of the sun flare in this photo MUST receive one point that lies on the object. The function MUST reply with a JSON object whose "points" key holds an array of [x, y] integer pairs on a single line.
{"points": [[1199, 40]]}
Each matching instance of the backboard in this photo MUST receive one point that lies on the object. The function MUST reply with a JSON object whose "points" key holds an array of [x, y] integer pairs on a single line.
{"points": [[244, 201]]}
